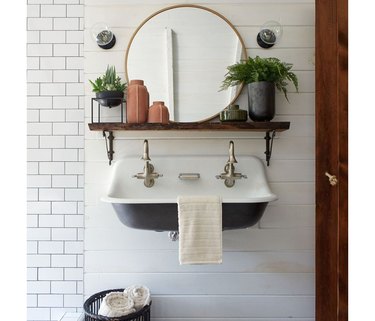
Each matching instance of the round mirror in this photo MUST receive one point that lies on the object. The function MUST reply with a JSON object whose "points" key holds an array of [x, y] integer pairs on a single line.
{"points": [[181, 53]]}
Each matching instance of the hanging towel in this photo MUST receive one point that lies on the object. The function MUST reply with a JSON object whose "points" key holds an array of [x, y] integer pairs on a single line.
{"points": [[139, 294], [200, 229], [116, 304]]}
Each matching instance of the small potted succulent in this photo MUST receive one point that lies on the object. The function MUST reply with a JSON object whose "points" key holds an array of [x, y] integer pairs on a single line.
{"points": [[261, 75], [109, 89]]}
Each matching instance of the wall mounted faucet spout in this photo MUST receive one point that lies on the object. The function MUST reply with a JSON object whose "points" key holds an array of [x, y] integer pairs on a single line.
{"points": [[148, 174], [145, 156], [229, 176], [231, 159]]}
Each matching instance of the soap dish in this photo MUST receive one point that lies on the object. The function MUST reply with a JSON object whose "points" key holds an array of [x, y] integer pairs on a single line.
{"points": [[233, 113]]}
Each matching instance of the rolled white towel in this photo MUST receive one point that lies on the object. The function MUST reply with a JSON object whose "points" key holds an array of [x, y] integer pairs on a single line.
{"points": [[139, 294], [116, 304]]}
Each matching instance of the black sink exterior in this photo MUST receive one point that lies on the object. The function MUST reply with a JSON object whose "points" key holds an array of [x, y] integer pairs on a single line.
{"points": [[163, 216]]}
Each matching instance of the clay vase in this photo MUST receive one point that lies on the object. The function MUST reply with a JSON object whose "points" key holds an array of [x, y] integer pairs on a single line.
{"points": [[158, 113], [137, 102]]}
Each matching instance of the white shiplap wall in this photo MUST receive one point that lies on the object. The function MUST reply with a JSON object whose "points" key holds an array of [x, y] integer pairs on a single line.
{"points": [[267, 271]]}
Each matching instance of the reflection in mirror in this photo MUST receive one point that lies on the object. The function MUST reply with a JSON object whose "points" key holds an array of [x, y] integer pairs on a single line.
{"points": [[182, 53]]}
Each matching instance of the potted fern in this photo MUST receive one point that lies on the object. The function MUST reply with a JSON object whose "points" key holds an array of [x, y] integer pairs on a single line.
{"points": [[109, 89], [262, 76]]}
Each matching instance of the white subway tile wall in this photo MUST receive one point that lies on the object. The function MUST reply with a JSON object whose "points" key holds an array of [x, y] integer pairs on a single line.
{"points": [[55, 163]]}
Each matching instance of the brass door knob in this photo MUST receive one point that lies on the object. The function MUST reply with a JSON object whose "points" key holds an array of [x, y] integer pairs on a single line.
{"points": [[332, 179]]}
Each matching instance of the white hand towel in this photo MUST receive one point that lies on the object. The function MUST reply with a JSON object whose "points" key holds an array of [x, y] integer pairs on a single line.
{"points": [[116, 304], [200, 229], [139, 294]]}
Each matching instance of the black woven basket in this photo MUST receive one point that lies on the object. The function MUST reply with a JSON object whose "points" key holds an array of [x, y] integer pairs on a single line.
{"points": [[92, 305]]}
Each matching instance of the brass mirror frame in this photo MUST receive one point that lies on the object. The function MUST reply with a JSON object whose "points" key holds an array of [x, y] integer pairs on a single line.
{"points": [[244, 52]]}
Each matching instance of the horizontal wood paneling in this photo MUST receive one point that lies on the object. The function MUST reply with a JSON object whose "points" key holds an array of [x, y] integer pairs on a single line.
{"points": [[302, 58], [125, 145], [267, 272], [233, 306], [286, 171], [290, 14], [297, 37], [288, 216], [123, 238], [306, 79], [207, 283], [294, 193], [166, 261]]}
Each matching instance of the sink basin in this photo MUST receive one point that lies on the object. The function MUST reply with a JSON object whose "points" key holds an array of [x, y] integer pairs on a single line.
{"points": [[155, 208]]}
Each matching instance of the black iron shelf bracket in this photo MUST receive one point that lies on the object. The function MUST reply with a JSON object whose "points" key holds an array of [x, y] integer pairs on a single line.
{"points": [[109, 144], [270, 135]]}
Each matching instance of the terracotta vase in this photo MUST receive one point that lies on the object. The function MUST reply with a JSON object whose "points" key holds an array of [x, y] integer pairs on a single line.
{"points": [[137, 102], [158, 113]]}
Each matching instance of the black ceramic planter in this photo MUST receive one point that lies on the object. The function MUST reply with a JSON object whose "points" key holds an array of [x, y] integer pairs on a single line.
{"points": [[261, 97], [109, 98]]}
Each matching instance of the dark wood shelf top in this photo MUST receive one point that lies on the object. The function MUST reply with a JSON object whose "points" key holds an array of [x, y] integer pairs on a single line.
{"points": [[206, 126]]}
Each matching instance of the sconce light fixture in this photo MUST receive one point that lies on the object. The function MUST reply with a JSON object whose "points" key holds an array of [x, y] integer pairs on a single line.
{"points": [[102, 35], [270, 32]]}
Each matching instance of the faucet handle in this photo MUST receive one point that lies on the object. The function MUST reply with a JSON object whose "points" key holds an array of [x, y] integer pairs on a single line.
{"points": [[139, 176], [156, 175]]}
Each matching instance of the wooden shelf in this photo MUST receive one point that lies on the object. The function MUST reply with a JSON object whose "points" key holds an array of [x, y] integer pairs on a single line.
{"points": [[270, 128], [206, 126]]}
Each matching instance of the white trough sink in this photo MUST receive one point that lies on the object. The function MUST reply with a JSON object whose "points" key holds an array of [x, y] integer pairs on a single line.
{"points": [[155, 208]]}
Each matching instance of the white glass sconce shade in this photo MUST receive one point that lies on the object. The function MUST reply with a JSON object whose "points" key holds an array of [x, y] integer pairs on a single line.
{"points": [[101, 34], [270, 32]]}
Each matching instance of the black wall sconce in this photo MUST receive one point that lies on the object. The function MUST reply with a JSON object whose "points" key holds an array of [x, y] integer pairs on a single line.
{"points": [[103, 36], [270, 32]]}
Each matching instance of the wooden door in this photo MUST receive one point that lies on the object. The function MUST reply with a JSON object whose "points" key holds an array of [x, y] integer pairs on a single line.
{"points": [[332, 157]]}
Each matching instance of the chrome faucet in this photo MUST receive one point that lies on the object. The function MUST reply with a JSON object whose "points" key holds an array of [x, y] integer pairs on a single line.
{"points": [[229, 174], [148, 174]]}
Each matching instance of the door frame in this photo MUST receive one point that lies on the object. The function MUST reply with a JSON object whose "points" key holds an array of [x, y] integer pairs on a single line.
{"points": [[331, 112]]}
